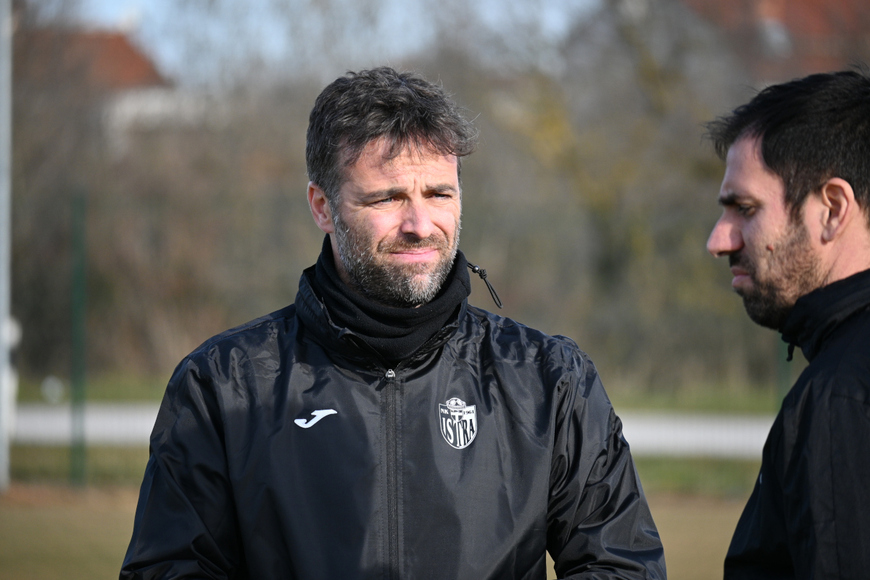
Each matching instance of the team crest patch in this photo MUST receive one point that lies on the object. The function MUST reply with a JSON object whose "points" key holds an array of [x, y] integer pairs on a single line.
{"points": [[458, 422]]}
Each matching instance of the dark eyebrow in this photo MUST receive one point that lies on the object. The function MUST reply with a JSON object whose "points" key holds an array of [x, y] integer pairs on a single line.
{"points": [[443, 187], [383, 193], [394, 191], [729, 199]]}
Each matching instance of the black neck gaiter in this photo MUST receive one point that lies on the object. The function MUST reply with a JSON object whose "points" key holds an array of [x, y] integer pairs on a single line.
{"points": [[395, 333]]}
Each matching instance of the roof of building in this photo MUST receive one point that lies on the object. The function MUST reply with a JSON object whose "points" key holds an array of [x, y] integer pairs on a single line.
{"points": [[104, 60], [778, 38]]}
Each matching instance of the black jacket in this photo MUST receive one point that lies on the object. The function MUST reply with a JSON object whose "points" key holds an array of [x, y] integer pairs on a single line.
{"points": [[809, 514], [284, 449]]}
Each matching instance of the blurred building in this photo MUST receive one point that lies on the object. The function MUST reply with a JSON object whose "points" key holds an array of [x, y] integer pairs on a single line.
{"points": [[782, 39], [101, 61], [108, 69]]}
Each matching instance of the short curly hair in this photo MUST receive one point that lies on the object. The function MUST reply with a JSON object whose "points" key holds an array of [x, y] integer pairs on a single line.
{"points": [[403, 108]]}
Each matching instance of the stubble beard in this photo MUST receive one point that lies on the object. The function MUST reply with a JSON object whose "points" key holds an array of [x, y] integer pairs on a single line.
{"points": [[792, 271], [407, 285]]}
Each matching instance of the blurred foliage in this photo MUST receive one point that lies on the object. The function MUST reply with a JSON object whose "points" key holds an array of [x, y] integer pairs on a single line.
{"points": [[588, 202]]}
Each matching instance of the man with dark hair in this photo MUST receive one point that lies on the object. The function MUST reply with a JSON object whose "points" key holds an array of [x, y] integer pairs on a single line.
{"points": [[382, 427], [796, 229]]}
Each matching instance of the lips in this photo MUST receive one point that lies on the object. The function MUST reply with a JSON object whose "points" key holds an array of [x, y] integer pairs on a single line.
{"points": [[423, 250], [413, 250], [416, 255], [741, 276]]}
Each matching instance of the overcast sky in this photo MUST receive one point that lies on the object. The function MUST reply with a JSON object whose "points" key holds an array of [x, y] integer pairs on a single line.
{"points": [[403, 27]]}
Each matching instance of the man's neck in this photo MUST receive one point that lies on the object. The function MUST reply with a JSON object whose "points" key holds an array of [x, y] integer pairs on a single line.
{"points": [[850, 256]]}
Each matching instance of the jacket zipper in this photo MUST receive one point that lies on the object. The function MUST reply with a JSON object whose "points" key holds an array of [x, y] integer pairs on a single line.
{"points": [[392, 467]]}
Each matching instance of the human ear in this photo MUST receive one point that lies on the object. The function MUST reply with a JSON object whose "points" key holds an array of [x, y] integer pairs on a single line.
{"points": [[320, 210], [838, 198]]}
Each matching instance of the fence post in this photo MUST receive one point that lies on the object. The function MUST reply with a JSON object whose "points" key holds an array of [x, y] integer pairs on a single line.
{"points": [[6, 398], [78, 457]]}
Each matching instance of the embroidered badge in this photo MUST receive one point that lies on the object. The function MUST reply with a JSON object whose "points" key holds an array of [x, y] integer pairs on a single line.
{"points": [[458, 422]]}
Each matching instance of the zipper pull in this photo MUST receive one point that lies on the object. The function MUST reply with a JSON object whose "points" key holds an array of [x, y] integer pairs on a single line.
{"points": [[390, 374], [482, 273]]}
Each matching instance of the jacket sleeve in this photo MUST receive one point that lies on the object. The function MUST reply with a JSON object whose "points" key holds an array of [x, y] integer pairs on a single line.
{"points": [[599, 523], [807, 516], [185, 524], [822, 486], [850, 482]]}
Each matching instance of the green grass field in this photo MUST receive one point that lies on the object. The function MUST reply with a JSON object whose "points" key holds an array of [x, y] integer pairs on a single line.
{"points": [[51, 530]]}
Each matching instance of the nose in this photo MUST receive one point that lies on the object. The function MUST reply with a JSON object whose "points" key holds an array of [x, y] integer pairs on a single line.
{"points": [[725, 238], [417, 220]]}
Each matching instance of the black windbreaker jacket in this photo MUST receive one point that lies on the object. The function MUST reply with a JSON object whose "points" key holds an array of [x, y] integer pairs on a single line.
{"points": [[285, 449], [809, 514]]}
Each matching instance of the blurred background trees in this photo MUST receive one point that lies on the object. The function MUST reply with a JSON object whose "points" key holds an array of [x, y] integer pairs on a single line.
{"points": [[588, 202]]}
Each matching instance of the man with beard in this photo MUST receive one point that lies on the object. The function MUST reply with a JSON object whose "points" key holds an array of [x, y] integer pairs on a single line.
{"points": [[380, 426], [796, 229]]}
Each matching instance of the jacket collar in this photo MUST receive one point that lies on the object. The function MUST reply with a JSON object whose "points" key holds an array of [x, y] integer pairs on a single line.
{"points": [[315, 316], [818, 314]]}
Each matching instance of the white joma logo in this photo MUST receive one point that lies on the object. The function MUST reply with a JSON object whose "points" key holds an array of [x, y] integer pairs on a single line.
{"points": [[317, 416]]}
